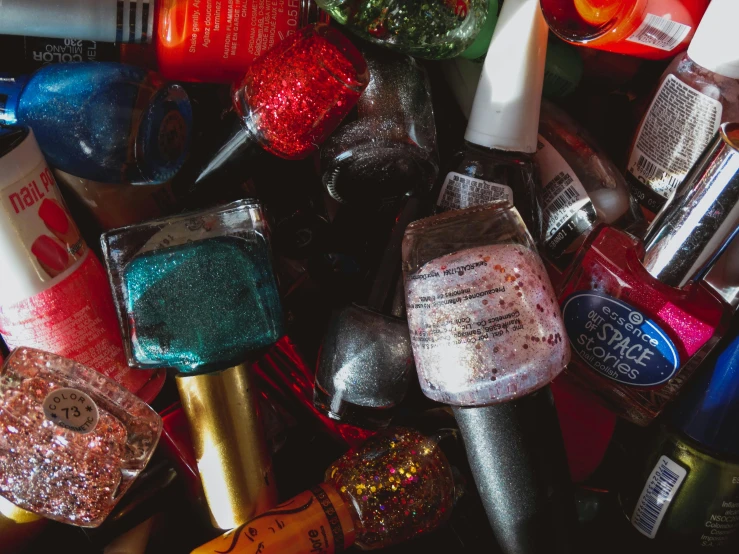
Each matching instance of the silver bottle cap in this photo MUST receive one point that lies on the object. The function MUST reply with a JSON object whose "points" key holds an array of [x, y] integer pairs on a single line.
{"points": [[121, 21], [701, 218]]}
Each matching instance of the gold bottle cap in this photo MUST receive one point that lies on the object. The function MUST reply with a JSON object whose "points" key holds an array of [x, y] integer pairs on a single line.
{"points": [[228, 438], [18, 527]]}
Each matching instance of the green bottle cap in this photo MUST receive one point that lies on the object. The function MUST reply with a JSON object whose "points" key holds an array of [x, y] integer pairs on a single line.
{"points": [[563, 69], [479, 48]]}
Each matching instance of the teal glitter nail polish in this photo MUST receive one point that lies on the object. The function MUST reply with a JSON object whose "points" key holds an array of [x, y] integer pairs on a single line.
{"points": [[195, 292]]}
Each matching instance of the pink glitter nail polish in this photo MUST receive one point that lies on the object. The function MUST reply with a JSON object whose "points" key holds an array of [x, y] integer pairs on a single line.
{"points": [[484, 320], [71, 440]]}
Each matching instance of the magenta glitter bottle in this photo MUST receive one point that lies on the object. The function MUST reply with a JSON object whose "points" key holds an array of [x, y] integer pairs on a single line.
{"points": [[488, 337]]}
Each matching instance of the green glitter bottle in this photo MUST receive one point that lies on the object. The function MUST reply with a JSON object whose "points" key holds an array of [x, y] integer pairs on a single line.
{"points": [[430, 29], [195, 292]]}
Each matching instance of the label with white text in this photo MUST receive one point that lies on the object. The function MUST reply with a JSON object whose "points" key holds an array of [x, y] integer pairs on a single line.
{"points": [[618, 341]]}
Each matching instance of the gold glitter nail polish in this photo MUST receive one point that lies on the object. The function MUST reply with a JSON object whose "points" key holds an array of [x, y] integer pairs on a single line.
{"points": [[396, 486]]}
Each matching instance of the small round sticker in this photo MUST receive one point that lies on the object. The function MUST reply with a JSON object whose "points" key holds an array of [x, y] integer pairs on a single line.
{"points": [[72, 409]]}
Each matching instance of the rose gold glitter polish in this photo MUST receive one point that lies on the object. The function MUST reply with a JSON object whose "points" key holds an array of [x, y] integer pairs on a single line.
{"points": [[71, 440]]}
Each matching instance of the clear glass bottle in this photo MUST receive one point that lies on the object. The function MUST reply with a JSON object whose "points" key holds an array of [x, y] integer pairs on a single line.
{"points": [[389, 150], [697, 92], [73, 441]]}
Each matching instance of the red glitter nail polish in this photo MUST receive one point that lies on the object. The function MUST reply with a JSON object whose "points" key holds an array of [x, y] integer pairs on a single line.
{"points": [[294, 96]]}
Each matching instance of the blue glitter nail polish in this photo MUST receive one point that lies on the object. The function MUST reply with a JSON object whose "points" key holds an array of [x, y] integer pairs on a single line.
{"points": [[195, 292], [107, 122]]}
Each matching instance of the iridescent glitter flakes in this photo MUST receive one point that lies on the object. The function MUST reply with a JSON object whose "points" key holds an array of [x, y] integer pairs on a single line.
{"points": [[71, 440]]}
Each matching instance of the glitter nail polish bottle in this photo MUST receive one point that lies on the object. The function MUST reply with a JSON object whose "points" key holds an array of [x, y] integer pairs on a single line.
{"points": [[291, 98], [197, 292], [396, 486], [637, 313], [496, 164], [432, 30], [366, 363], [73, 441], [389, 150], [488, 337], [107, 122]]}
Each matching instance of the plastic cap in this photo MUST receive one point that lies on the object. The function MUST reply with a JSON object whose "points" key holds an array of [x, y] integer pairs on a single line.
{"points": [[505, 113], [714, 43], [708, 412]]}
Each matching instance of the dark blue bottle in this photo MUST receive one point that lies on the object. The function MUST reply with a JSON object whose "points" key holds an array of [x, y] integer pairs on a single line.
{"points": [[107, 122]]}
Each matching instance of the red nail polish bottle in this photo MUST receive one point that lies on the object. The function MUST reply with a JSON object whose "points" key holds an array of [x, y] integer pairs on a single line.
{"points": [[54, 293], [196, 40], [638, 315], [651, 29]]}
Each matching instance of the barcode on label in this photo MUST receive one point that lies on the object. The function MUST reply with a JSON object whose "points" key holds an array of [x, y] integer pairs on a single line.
{"points": [[650, 173], [660, 489], [647, 169], [566, 198], [659, 32]]}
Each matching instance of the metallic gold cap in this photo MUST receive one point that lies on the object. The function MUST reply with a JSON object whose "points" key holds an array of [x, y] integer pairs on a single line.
{"points": [[228, 438], [18, 527]]}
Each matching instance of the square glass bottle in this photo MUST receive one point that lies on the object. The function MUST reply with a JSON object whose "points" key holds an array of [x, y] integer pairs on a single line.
{"points": [[195, 291], [72, 441]]}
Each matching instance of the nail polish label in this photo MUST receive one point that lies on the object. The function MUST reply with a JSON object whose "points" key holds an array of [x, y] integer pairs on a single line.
{"points": [[618, 341], [659, 490], [71, 409], [567, 210], [484, 326], [660, 32], [42, 224], [679, 124], [462, 191]]}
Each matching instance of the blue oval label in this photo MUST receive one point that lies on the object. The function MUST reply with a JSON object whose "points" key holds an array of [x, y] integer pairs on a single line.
{"points": [[618, 341]]}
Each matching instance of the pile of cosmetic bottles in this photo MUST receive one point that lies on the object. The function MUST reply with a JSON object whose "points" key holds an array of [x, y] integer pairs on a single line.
{"points": [[413, 276]]}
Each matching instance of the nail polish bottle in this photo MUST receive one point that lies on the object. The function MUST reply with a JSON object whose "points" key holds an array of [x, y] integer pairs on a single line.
{"points": [[54, 294], [365, 364], [580, 187], [432, 30], [389, 150], [291, 99], [396, 486], [109, 122], [73, 440], [496, 165], [697, 92], [487, 338], [651, 29], [196, 292], [684, 494], [194, 40], [638, 315]]}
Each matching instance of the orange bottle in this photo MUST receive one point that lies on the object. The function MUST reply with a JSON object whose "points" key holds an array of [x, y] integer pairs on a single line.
{"points": [[652, 29]]}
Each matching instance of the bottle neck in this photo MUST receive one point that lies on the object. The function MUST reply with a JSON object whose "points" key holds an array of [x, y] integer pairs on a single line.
{"points": [[11, 89], [311, 13], [318, 520]]}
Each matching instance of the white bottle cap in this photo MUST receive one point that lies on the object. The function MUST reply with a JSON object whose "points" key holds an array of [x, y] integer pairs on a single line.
{"points": [[505, 113], [462, 76], [714, 44]]}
